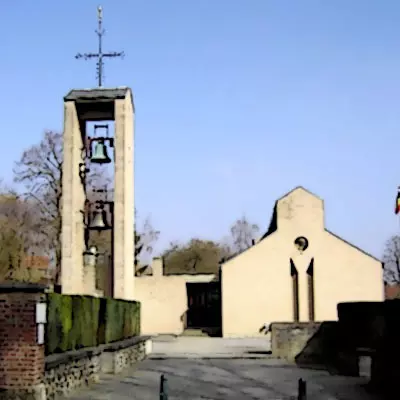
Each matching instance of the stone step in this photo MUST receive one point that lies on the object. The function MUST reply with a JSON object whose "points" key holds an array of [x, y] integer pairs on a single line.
{"points": [[194, 332]]}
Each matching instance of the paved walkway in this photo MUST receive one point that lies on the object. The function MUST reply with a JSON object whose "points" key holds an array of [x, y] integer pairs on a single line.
{"points": [[222, 379], [219, 369], [204, 347]]}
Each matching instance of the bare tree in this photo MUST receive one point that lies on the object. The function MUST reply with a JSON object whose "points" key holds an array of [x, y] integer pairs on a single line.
{"points": [[40, 170], [145, 239], [243, 233], [391, 259], [19, 238]]}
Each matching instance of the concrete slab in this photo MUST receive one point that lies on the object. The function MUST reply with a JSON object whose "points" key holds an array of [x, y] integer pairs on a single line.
{"points": [[223, 379], [205, 347]]}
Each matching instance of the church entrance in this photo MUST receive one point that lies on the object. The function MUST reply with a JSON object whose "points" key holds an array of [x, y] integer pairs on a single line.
{"points": [[204, 307]]}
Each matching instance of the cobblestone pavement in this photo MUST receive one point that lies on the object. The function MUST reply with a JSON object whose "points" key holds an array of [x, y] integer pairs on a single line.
{"points": [[220, 379]]}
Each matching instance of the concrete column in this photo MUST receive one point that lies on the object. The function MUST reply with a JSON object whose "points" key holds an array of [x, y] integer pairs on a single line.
{"points": [[89, 280], [72, 203], [157, 265], [124, 199]]}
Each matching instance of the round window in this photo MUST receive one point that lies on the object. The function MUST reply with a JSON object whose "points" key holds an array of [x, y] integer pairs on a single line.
{"points": [[301, 243]]}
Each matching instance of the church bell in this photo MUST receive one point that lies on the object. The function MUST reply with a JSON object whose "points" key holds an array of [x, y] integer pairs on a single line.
{"points": [[100, 155], [99, 221]]}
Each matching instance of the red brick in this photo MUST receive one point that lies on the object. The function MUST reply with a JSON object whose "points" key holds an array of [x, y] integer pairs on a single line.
{"points": [[21, 358]]}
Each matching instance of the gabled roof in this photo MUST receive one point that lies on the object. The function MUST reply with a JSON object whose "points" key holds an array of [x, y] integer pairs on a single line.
{"points": [[352, 245], [297, 188], [36, 262], [273, 227]]}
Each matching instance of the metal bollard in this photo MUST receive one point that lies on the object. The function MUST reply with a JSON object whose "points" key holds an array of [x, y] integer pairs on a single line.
{"points": [[163, 388], [302, 391]]}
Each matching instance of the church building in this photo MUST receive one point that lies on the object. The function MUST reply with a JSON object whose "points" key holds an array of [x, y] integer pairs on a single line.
{"points": [[297, 271]]}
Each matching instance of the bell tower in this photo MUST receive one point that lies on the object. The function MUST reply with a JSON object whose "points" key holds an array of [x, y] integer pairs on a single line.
{"points": [[81, 215], [82, 149]]}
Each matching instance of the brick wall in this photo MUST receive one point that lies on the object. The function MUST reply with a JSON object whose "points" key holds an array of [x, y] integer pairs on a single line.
{"points": [[392, 291], [21, 358]]}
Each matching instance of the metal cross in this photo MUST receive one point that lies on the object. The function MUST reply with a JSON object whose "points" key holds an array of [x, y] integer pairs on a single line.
{"points": [[100, 55]]}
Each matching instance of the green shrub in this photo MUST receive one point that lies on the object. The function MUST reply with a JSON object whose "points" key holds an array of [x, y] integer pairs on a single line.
{"points": [[121, 320], [85, 321], [59, 323], [75, 321]]}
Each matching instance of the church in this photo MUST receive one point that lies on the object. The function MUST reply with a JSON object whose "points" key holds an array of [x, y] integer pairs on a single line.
{"points": [[297, 271]]}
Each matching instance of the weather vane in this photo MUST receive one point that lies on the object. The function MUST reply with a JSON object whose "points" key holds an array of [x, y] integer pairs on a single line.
{"points": [[99, 55]]}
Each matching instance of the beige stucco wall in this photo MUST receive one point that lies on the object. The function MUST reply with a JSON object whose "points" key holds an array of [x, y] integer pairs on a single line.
{"points": [[124, 206], [164, 300], [257, 285], [73, 279]]}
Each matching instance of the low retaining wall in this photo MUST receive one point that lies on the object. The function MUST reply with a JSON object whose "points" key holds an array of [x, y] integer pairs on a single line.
{"points": [[362, 324], [307, 343], [66, 372], [120, 355], [361, 329], [385, 374]]}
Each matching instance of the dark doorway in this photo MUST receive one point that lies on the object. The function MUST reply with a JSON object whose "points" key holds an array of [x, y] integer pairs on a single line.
{"points": [[204, 306]]}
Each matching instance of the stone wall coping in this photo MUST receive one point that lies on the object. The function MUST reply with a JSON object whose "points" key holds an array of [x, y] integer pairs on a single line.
{"points": [[365, 351], [296, 324], [302, 324], [15, 287], [54, 360], [123, 344]]}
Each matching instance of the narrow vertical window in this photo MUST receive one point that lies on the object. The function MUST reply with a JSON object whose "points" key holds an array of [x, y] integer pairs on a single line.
{"points": [[311, 302], [295, 290]]}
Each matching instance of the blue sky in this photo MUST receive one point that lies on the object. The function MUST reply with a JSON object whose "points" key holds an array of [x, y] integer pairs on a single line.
{"points": [[237, 102]]}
